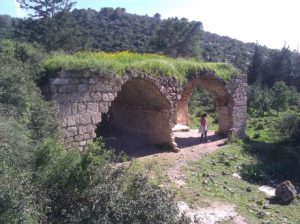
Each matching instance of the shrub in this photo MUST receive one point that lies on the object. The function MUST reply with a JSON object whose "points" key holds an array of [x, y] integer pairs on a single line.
{"points": [[252, 173], [90, 187], [288, 128], [259, 126]]}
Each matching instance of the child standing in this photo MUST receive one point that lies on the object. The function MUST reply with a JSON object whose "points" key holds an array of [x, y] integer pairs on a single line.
{"points": [[203, 128]]}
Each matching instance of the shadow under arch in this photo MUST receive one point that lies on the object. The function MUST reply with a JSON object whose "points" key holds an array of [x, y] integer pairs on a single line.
{"points": [[138, 118], [222, 98]]}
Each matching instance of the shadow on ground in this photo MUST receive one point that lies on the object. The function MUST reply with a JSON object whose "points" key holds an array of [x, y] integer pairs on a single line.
{"points": [[192, 138], [276, 162], [136, 146]]}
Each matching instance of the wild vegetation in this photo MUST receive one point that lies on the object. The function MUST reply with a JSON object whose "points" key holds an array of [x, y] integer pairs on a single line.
{"points": [[119, 63]]}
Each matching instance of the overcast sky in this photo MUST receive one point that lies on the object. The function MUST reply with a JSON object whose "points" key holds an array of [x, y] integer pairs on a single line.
{"points": [[269, 22]]}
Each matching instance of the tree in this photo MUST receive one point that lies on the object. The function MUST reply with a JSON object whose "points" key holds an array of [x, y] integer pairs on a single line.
{"points": [[256, 66], [52, 27], [281, 96], [260, 99], [46, 8], [179, 38]]}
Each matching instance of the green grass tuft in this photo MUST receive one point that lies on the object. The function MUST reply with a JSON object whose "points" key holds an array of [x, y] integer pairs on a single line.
{"points": [[119, 63]]}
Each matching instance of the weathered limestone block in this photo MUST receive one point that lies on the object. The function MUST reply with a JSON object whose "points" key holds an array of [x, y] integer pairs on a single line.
{"points": [[85, 119], [96, 118], [87, 129], [103, 107], [96, 96], [68, 88], [59, 81], [82, 87], [70, 132], [81, 108], [108, 97], [73, 120], [92, 107]]}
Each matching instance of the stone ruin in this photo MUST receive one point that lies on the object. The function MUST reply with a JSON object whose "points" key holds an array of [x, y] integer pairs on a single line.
{"points": [[141, 104]]}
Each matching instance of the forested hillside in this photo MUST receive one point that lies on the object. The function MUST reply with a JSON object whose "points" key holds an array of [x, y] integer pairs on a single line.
{"points": [[116, 30]]}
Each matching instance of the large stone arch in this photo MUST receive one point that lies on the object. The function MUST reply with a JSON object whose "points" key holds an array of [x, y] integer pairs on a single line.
{"points": [[140, 104], [161, 103], [229, 97]]}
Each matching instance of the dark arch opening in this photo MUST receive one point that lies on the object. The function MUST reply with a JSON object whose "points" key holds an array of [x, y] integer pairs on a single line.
{"points": [[138, 119]]}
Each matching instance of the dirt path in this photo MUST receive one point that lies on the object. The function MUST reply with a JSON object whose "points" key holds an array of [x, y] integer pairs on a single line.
{"points": [[191, 150]]}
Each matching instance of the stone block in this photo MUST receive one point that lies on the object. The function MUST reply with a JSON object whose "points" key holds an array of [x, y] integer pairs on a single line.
{"points": [[81, 108], [83, 81], [68, 88], [82, 87], [103, 107], [96, 118], [93, 135], [86, 97], [62, 98], [73, 120], [74, 108], [85, 119], [108, 97], [65, 110], [64, 122], [98, 87], [70, 132], [96, 96], [59, 81], [79, 138], [76, 97], [92, 107], [92, 81], [87, 129], [82, 143], [73, 81]]}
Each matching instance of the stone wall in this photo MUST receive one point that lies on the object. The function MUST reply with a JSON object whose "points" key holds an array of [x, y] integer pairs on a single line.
{"points": [[141, 104]]}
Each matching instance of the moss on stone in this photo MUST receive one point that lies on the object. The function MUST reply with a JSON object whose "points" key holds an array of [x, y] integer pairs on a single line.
{"points": [[119, 63]]}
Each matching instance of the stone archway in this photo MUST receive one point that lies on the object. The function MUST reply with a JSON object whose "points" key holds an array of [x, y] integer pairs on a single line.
{"points": [[142, 110], [218, 92], [141, 103]]}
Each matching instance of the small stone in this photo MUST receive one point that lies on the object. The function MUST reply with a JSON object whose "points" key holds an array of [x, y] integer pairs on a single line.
{"points": [[236, 175], [248, 189], [266, 206]]}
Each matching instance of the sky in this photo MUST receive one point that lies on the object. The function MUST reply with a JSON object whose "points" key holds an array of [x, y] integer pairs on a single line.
{"points": [[273, 23]]}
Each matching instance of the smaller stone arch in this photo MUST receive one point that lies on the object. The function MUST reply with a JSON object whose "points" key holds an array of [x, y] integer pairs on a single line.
{"points": [[230, 101]]}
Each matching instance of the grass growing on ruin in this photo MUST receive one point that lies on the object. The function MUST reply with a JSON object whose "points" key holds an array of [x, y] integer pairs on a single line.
{"points": [[119, 63]]}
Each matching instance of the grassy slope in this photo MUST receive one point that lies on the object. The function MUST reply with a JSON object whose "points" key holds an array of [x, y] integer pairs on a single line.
{"points": [[259, 161], [120, 62]]}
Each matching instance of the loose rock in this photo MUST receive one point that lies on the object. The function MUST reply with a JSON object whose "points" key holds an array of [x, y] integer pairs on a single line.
{"points": [[285, 191]]}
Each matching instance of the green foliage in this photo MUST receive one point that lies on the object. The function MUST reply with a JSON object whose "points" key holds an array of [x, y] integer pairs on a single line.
{"points": [[19, 95], [281, 96], [46, 9], [288, 128], [121, 62], [201, 102], [259, 99]]}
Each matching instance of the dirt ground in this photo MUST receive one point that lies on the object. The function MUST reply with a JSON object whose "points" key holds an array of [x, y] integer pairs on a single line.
{"points": [[190, 149]]}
